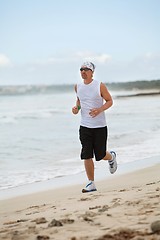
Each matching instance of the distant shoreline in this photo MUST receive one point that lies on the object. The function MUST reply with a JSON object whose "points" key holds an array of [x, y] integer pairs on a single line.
{"points": [[139, 94], [135, 85], [11, 90]]}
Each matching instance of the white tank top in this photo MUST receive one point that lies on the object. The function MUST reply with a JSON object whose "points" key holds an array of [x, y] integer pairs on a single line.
{"points": [[90, 97]]}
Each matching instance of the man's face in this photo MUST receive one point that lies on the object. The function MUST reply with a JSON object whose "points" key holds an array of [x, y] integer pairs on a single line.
{"points": [[86, 73]]}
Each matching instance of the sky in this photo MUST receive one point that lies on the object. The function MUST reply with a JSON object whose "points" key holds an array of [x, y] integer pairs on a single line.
{"points": [[46, 41]]}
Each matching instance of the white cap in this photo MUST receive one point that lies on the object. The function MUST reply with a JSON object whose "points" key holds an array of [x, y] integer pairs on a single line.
{"points": [[89, 65]]}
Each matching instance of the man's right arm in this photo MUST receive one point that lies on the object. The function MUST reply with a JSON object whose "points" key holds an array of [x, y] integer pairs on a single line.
{"points": [[76, 108]]}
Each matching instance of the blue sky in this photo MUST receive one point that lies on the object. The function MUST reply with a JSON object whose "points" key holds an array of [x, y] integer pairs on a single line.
{"points": [[46, 41]]}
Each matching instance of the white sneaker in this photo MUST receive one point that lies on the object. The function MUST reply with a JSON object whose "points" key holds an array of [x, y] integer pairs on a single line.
{"points": [[90, 187], [113, 163]]}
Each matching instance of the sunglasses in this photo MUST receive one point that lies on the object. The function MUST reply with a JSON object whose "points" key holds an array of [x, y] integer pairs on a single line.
{"points": [[85, 69]]}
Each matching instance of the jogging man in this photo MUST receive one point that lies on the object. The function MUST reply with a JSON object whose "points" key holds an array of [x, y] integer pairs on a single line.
{"points": [[93, 98]]}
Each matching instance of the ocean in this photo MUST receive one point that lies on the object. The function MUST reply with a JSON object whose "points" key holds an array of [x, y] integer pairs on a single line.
{"points": [[39, 134]]}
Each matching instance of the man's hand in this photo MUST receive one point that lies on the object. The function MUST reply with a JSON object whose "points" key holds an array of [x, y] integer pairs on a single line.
{"points": [[94, 112], [75, 110]]}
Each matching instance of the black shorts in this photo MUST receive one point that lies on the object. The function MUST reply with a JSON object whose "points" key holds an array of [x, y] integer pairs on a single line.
{"points": [[94, 142]]}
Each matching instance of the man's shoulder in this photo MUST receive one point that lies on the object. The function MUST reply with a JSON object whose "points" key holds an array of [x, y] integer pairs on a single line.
{"points": [[75, 87], [78, 86]]}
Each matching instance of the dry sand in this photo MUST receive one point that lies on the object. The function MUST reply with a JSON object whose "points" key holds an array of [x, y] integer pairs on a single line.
{"points": [[123, 208]]}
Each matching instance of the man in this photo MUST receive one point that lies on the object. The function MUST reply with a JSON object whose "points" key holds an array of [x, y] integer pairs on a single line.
{"points": [[93, 99]]}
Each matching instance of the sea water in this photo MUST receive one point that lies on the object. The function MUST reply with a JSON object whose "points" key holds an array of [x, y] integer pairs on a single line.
{"points": [[39, 134]]}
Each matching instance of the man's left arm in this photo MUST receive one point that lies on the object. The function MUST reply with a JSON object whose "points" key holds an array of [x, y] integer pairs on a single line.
{"points": [[106, 96], [108, 101]]}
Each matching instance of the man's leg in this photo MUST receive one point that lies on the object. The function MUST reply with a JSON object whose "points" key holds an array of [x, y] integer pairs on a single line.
{"points": [[108, 156], [89, 167]]}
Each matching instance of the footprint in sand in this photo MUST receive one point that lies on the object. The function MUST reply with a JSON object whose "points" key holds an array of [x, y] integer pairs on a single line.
{"points": [[39, 220], [42, 237], [84, 199]]}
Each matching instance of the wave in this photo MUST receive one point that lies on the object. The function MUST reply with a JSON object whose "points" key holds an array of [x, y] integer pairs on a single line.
{"points": [[16, 178], [51, 89], [34, 114]]}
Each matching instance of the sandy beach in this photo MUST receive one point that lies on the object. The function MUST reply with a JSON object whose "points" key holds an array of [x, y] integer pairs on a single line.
{"points": [[124, 207]]}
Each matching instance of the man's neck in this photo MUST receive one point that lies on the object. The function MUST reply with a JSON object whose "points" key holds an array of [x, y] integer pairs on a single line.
{"points": [[88, 81]]}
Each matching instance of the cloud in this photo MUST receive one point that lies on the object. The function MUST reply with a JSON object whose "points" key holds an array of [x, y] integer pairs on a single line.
{"points": [[144, 67], [99, 58], [75, 57], [64, 69], [4, 61], [147, 65]]}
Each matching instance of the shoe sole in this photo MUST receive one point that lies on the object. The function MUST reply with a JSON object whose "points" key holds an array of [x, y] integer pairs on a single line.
{"points": [[114, 171], [115, 162]]}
